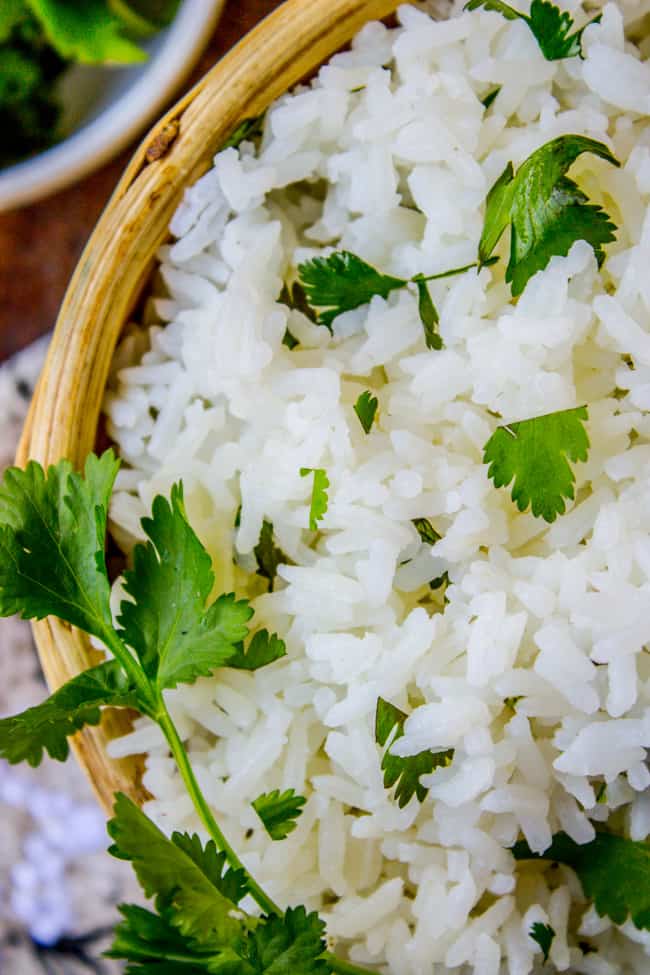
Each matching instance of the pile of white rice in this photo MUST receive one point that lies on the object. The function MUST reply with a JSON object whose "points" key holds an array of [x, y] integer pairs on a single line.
{"points": [[389, 154]]}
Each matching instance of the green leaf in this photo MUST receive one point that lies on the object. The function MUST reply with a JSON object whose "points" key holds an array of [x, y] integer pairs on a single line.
{"points": [[12, 12], [52, 536], [428, 315], [614, 873], [144, 17], [546, 210], [543, 934], [550, 26], [405, 772], [47, 727], [268, 555], [289, 340], [265, 648], [341, 282], [440, 581], [88, 31], [489, 98], [319, 497], [289, 945], [279, 811], [536, 453], [250, 128], [426, 531], [188, 881], [150, 940], [175, 637], [366, 409]]}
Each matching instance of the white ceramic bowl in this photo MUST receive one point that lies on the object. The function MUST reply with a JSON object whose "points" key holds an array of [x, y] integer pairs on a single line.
{"points": [[105, 108]]}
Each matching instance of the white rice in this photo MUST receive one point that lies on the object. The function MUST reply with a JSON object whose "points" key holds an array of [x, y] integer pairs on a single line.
{"points": [[397, 173]]}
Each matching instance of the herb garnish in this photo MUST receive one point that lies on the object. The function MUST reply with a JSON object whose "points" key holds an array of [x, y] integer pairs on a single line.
{"points": [[543, 934], [426, 531], [343, 281], [405, 772], [546, 210], [269, 556], [550, 26], [366, 409], [319, 497], [534, 453], [52, 562], [613, 871], [279, 812]]}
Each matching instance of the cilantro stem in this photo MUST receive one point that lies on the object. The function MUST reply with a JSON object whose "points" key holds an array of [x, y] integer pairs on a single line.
{"points": [[454, 271], [132, 669], [168, 728]]}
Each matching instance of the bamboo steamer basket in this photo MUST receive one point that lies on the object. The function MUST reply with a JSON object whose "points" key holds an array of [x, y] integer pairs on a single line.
{"points": [[115, 269]]}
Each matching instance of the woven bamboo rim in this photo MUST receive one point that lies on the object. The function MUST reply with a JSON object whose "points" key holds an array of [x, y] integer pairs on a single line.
{"points": [[117, 264]]}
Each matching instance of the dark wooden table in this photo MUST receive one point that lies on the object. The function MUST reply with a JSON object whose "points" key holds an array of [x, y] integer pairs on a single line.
{"points": [[40, 244]]}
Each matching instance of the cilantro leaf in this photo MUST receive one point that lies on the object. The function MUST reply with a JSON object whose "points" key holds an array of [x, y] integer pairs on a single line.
{"points": [[52, 534], [614, 873], [268, 555], [366, 409], [150, 939], [279, 811], [550, 26], [546, 210], [289, 945], [426, 531], [290, 340], [405, 772], [175, 637], [186, 879], [489, 98], [543, 934], [536, 453], [341, 282], [144, 17], [47, 727], [319, 497], [265, 648], [87, 32], [428, 315], [12, 13]]}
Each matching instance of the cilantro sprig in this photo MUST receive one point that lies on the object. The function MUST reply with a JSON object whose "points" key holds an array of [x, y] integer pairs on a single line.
{"points": [[543, 934], [342, 281], [547, 212], [169, 631], [534, 454], [366, 409], [279, 811], [319, 497], [404, 772], [551, 27]]}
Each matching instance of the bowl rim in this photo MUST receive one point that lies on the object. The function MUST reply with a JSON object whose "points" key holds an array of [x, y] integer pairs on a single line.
{"points": [[116, 265], [99, 140]]}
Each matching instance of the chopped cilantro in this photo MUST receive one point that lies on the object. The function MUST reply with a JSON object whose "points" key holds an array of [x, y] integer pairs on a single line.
{"points": [[366, 409], [279, 811], [319, 497], [546, 210], [440, 581], [614, 873], [289, 340], [426, 531], [489, 98], [543, 934], [405, 772], [550, 26], [88, 32], [268, 555], [295, 297], [536, 454], [601, 793], [428, 315]]}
